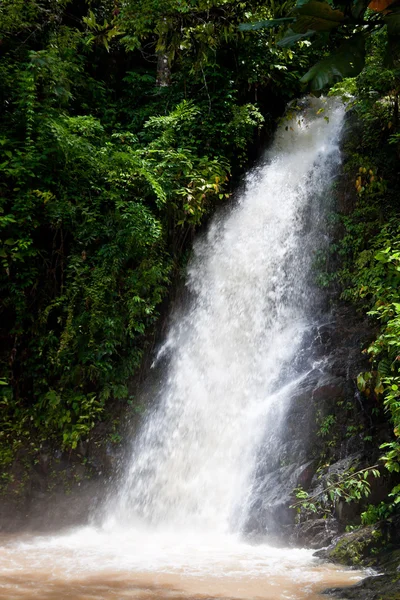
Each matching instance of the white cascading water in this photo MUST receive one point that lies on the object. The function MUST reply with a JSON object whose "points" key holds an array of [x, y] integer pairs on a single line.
{"points": [[229, 353], [173, 528]]}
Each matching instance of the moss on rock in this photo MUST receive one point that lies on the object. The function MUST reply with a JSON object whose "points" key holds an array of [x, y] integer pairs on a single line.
{"points": [[359, 547], [376, 546]]}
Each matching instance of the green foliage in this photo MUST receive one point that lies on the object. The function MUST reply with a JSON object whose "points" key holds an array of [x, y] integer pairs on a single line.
{"points": [[368, 254], [104, 176], [383, 510], [337, 65], [341, 29], [377, 281], [351, 486], [370, 246], [326, 425], [106, 218]]}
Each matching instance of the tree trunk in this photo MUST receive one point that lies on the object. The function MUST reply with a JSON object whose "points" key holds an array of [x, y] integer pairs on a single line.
{"points": [[163, 71]]}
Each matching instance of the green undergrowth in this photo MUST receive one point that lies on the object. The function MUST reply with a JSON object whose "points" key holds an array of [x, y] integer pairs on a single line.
{"points": [[122, 127]]}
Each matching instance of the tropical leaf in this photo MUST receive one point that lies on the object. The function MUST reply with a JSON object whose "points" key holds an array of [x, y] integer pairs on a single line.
{"points": [[347, 61], [291, 38], [265, 24], [317, 16]]}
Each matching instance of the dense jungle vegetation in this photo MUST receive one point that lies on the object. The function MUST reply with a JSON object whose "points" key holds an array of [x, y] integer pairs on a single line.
{"points": [[123, 124]]}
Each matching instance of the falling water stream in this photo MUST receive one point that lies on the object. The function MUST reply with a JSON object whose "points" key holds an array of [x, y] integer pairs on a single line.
{"points": [[174, 527]]}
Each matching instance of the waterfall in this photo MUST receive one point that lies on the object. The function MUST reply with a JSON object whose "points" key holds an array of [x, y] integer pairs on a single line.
{"points": [[209, 463], [232, 351]]}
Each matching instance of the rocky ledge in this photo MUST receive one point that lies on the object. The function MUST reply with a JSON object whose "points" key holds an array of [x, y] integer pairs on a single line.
{"points": [[376, 547]]}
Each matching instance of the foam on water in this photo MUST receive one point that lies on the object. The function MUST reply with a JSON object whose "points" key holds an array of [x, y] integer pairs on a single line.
{"points": [[88, 563]]}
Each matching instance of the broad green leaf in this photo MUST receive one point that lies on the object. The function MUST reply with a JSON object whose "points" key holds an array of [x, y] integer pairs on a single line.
{"points": [[382, 255], [265, 24], [347, 61], [361, 383], [318, 16], [291, 38], [395, 491]]}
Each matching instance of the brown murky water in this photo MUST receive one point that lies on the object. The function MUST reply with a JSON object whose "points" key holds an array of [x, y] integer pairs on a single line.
{"points": [[91, 565]]}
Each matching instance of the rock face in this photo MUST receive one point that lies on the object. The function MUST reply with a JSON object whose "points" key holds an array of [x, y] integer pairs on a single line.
{"points": [[327, 423], [381, 587], [315, 533]]}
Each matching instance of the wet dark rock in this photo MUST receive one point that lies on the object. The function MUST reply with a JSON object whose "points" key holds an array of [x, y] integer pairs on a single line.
{"points": [[326, 422], [380, 587], [355, 548], [367, 546], [315, 533], [377, 546], [329, 387]]}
